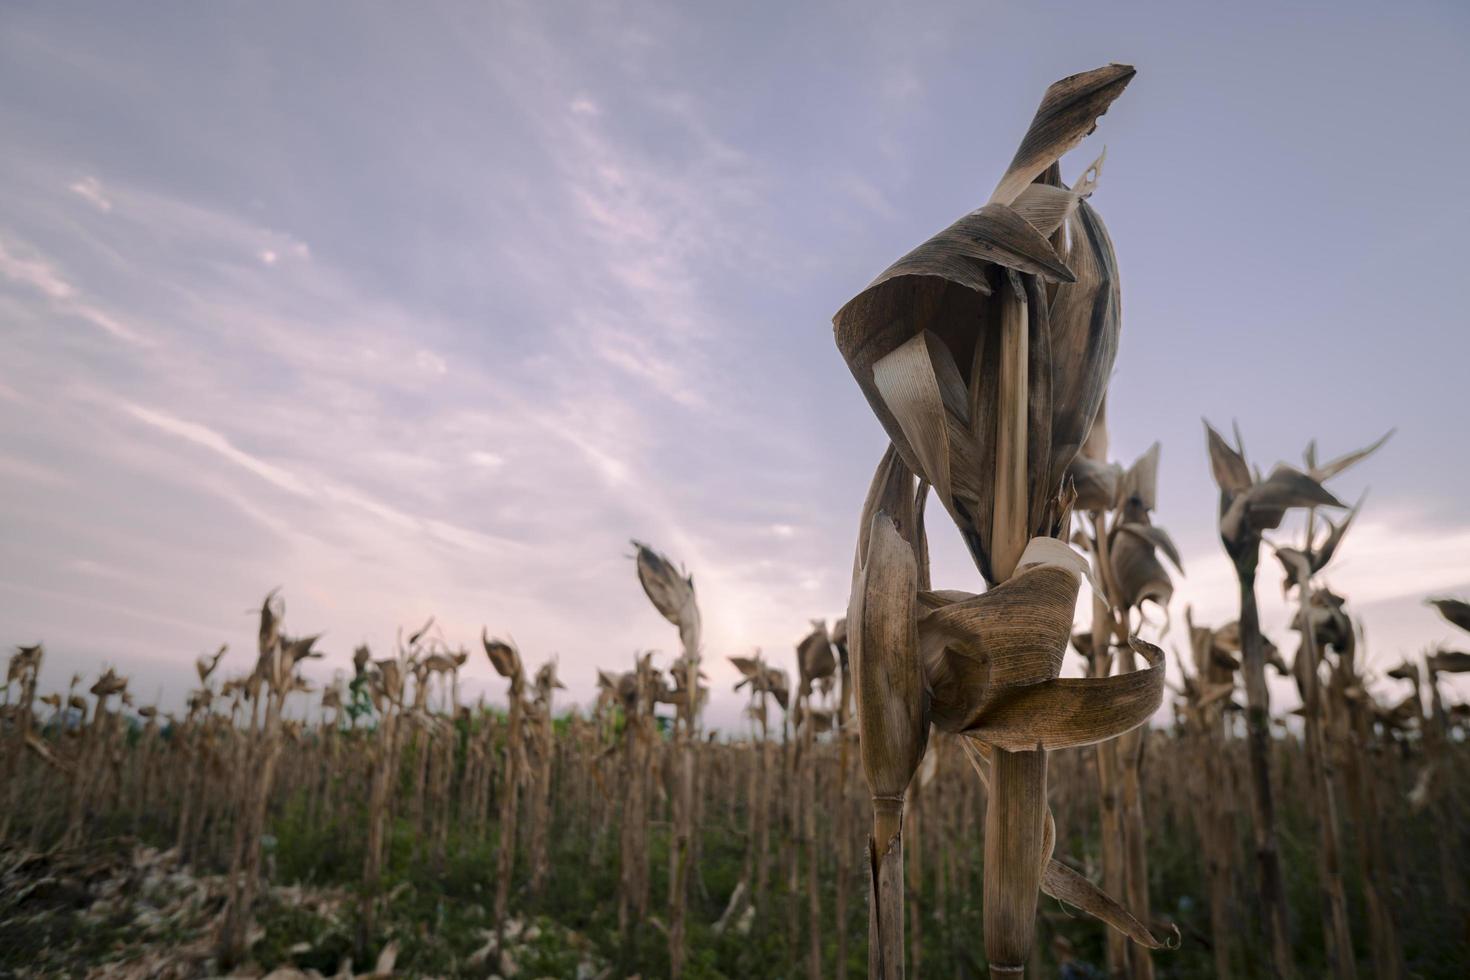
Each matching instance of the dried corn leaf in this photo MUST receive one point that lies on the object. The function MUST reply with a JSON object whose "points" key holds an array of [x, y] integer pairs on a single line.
{"points": [[922, 387], [1232, 475], [1457, 611], [1085, 322], [1046, 207], [1068, 112], [1141, 482], [503, 656], [1289, 487], [1406, 670], [1155, 537], [883, 630], [1323, 554], [892, 491], [671, 593], [1096, 483], [1137, 572], [1067, 712], [1066, 885], [1325, 471], [1014, 634], [1448, 662], [814, 656]]}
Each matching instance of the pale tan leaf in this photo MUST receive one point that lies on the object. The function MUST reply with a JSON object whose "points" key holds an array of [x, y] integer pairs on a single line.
{"points": [[1325, 471], [1231, 473]]}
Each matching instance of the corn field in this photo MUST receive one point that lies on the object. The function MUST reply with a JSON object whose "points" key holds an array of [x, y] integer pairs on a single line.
{"points": [[916, 789], [399, 814]]}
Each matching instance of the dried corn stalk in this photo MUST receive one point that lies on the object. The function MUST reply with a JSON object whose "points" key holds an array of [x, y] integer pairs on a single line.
{"points": [[985, 353], [672, 593], [545, 752], [1439, 662], [506, 660], [1126, 547], [634, 692], [1323, 625], [1209, 683], [24, 668], [817, 664], [274, 678], [1249, 506]]}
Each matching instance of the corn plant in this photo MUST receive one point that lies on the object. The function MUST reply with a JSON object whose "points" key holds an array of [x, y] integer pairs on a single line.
{"points": [[985, 353], [1250, 505], [274, 678], [1125, 546], [672, 593], [506, 660]]}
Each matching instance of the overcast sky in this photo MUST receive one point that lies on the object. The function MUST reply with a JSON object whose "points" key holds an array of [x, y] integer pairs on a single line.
{"points": [[428, 309]]}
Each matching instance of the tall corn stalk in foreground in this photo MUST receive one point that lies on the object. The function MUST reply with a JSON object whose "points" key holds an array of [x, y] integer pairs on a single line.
{"points": [[672, 593], [1248, 506], [1125, 545], [985, 354], [506, 660], [1322, 625]]}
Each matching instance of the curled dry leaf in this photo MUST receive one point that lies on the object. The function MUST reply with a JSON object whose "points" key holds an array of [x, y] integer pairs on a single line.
{"points": [[992, 662], [1068, 112], [1249, 506], [671, 593], [503, 656], [814, 656], [1068, 711], [1325, 471], [1064, 884], [924, 340]]}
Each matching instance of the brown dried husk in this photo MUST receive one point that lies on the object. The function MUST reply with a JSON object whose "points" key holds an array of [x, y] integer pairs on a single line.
{"points": [[503, 656], [814, 657], [992, 662], [883, 630], [1136, 570]]}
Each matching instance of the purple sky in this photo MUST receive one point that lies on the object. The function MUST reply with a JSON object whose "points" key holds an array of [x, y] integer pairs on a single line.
{"points": [[430, 311]]}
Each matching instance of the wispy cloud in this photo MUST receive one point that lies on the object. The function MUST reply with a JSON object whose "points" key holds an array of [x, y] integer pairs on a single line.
{"points": [[207, 438], [34, 272], [40, 275], [90, 190]]}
